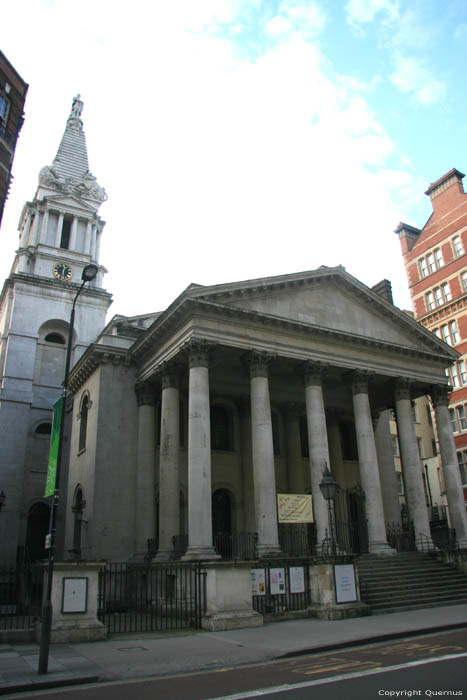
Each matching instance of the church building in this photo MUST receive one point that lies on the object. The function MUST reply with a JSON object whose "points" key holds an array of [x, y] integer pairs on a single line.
{"points": [[188, 424], [185, 425]]}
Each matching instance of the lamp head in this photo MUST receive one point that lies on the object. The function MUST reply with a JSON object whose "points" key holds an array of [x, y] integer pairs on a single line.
{"points": [[328, 485], [89, 272]]}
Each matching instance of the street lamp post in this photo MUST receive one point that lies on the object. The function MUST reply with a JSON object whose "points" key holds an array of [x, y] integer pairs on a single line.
{"points": [[89, 273], [328, 487]]}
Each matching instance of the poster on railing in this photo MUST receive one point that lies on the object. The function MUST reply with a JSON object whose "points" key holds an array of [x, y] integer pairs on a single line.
{"points": [[344, 578], [297, 579], [294, 508], [258, 582], [277, 581]]}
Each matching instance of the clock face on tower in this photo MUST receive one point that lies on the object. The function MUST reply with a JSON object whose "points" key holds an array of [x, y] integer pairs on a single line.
{"points": [[62, 272]]}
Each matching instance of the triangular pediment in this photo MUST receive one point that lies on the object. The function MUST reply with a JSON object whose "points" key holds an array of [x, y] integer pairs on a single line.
{"points": [[329, 299], [69, 201]]}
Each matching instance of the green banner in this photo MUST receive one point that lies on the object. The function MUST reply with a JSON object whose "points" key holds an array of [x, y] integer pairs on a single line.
{"points": [[53, 451]]}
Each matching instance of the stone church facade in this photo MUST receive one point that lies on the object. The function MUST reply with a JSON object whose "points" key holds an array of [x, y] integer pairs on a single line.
{"points": [[59, 234], [187, 424], [184, 425]]}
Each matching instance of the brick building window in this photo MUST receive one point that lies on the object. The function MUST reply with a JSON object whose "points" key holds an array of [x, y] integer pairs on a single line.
{"points": [[430, 301], [432, 262], [457, 246], [462, 459], [423, 267], [454, 332], [464, 281], [461, 419], [446, 292]]}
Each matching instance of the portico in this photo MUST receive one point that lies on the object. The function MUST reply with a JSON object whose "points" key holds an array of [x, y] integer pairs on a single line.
{"points": [[252, 389]]}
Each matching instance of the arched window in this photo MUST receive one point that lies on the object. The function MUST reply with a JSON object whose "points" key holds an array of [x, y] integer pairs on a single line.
{"points": [[83, 427], [43, 429], [55, 338]]}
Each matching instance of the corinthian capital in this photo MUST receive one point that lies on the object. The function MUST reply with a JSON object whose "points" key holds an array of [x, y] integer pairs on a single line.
{"points": [[313, 372], [360, 381], [169, 374], [197, 352], [440, 395], [145, 394], [402, 388], [258, 362]]}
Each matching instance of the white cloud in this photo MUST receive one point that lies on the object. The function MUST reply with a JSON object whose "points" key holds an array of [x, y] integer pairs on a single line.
{"points": [[411, 76], [307, 18], [217, 167], [365, 11]]}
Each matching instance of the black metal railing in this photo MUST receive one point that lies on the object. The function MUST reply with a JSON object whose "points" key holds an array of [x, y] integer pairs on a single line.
{"points": [[20, 596], [149, 597], [401, 536], [236, 546]]}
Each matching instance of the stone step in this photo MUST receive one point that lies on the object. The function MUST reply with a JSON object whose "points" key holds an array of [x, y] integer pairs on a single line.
{"points": [[420, 586], [412, 580]]}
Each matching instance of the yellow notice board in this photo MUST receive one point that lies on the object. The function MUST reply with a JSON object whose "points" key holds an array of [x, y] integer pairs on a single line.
{"points": [[294, 508]]}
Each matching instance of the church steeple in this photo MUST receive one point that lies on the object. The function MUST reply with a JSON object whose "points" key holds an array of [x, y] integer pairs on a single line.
{"points": [[62, 220], [69, 171]]}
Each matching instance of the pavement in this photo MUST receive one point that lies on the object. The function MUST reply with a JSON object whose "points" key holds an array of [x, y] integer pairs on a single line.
{"points": [[164, 653]]}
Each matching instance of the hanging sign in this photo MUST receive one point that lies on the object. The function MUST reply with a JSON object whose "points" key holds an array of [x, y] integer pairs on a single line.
{"points": [[54, 447], [294, 508]]}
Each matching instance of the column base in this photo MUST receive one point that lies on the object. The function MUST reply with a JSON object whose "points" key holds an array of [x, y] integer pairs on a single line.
{"points": [[200, 553], [381, 547], [268, 550], [164, 555], [140, 556]]}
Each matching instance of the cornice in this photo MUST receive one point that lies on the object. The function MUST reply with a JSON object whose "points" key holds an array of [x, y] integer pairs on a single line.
{"points": [[95, 356], [52, 283]]}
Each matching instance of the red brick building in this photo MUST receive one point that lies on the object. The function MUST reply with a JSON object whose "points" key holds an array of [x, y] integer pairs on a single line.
{"points": [[436, 265], [13, 91]]}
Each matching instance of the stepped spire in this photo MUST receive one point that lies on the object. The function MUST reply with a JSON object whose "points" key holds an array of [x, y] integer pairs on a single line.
{"points": [[69, 171]]}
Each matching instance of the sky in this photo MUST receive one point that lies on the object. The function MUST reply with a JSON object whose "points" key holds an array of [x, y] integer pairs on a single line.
{"points": [[238, 139]]}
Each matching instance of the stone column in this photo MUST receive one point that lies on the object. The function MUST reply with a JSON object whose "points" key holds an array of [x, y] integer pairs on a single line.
{"points": [[74, 233], [387, 471], [44, 225], [411, 464], [318, 445], [368, 465], [58, 232], [296, 477], [263, 456], [145, 469], [93, 242], [249, 522], [87, 242], [169, 482], [199, 455], [452, 479], [35, 228]]}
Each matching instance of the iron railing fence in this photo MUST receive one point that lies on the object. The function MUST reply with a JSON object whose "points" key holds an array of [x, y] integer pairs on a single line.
{"points": [[401, 537], [20, 596], [136, 597], [281, 585], [236, 546], [404, 539]]}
